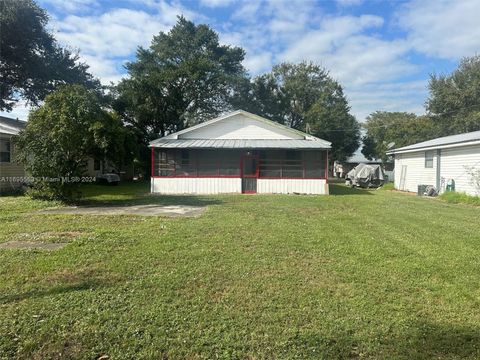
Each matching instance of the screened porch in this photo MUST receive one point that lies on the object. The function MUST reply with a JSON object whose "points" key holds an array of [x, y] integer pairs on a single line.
{"points": [[266, 164]]}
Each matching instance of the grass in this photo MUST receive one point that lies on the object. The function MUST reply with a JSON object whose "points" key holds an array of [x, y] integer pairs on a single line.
{"points": [[460, 198], [358, 274]]}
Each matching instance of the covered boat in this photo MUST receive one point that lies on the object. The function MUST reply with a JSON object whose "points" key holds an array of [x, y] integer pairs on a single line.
{"points": [[366, 176]]}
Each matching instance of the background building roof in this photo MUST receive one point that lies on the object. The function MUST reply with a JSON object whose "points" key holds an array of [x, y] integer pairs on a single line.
{"points": [[440, 142], [11, 126]]}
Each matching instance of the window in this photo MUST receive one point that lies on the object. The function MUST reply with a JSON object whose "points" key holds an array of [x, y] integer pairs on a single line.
{"points": [[5, 151], [429, 159], [96, 165]]}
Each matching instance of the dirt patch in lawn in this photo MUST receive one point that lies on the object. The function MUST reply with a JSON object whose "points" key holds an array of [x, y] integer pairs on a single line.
{"points": [[49, 236], [142, 210], [16, 244]]}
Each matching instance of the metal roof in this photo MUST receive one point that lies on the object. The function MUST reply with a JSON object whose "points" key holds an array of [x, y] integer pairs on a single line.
{"points": [[440, 142], [11, 126], [240, 144]]}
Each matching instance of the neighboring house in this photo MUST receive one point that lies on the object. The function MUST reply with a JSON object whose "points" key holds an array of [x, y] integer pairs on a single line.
{"points": [[11, 172], [239, 153], [95, 167], [358, 158], [436, 161]]}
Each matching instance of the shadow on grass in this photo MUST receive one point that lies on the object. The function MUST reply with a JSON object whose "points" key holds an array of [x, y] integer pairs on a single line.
{"points": [[422, 340], [339, 189], [428, 340], [55, 290], [148, 199], [130, 193]]}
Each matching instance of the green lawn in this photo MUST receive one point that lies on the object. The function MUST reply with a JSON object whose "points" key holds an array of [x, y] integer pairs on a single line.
{"points": [[358, 274]]}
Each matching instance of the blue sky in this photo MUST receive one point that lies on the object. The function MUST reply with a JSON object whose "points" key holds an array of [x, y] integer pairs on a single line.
{"points": [[382, 52]]}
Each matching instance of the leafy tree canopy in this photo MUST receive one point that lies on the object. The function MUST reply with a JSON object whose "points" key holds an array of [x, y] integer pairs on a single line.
{"points": [[62, 134], [184, 76], [32, 64], [454, 101], [305, 97], [387, 130]]}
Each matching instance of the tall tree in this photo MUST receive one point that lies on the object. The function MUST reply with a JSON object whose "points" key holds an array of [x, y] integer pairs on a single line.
{"points": [[183, 77], [305, 97], [329, 119], [62, 134], [387, 130], [454, 101], [32, 64]]}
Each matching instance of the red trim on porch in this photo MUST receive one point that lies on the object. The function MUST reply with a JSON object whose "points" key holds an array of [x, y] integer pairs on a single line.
{"points": [[152, 170], [237, 177], [257, 170], [326, 168], [291, 178], [197, 176]]}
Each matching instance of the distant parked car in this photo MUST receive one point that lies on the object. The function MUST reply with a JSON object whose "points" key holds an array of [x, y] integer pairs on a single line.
{"points": [[109, 179]]}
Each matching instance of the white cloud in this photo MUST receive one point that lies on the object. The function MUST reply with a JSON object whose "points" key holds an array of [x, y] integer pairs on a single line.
{"points": [[216, 3], [248, 11], [446, 29], [352, 57], [105, 41], [349, 2], [259, 63], [368, 66], [392, 96], [69, 6]]}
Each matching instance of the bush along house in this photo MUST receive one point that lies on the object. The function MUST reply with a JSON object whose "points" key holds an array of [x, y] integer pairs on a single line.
{"points": [[239, 153]]}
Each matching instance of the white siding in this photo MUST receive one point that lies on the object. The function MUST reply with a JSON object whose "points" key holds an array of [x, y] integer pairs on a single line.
{"points": [[290, 186], [240, 127], [414, 171], [234, 185], [196, 185], [11, 169], [454, 163]]}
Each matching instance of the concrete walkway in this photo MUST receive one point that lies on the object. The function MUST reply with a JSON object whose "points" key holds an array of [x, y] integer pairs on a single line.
{"points": [[142, 210]]}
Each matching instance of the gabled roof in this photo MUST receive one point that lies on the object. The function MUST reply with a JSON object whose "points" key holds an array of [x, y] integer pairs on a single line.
{"points": [[442, 142], [305, 141], [11, 126]]}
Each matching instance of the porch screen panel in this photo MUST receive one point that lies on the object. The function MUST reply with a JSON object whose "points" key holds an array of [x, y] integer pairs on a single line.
{"points": [[164, 162], [292, 164], [271, 164], [315, 164], [208, 162], [229, 164], [185, 162]]}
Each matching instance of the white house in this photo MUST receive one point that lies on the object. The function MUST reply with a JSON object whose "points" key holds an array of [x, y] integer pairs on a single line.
{"points": [[239, 153], [11, 172], [436, 161]]}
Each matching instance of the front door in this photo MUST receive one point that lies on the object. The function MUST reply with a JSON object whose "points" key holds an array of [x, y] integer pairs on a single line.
{"points": [[249, 174]]}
